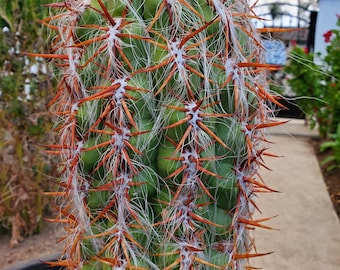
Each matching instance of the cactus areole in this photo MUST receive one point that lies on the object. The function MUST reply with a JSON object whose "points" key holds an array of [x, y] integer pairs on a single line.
{"points": [[161, 109]]}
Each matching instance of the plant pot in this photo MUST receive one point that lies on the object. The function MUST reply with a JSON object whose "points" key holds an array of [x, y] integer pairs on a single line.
{"points": [[34, 264], [293, 110]]}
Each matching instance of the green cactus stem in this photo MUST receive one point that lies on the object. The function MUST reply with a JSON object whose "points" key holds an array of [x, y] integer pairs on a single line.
{"points": [[161, 110]]}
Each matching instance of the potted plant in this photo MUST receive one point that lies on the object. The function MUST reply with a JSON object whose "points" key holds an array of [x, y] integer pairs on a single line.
{"points": [[161, 111]]}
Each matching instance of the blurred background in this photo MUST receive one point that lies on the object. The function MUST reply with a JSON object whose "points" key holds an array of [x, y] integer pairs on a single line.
{"points": [[25, 90]]}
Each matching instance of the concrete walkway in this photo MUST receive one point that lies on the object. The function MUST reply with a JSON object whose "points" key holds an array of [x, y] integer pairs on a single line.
{"points": [[308, 235]]}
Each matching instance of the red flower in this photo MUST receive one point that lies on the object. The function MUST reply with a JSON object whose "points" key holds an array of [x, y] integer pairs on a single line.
{"points": [[327, 36]]}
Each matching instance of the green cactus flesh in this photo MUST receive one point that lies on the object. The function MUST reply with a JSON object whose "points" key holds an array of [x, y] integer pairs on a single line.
{"points": [[162, 107]]}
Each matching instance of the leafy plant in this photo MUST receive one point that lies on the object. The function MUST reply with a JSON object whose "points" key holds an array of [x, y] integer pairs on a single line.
{"points": [[320, 84], [306, 83], [317, 86], [334, 145], [161, 111], [333, 70]]}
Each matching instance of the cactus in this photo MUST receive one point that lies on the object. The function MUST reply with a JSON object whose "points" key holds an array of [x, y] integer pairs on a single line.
{"points": [[161, 111]]}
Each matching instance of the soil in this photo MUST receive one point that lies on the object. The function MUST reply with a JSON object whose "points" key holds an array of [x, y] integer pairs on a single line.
{"points": [[45, 244]]}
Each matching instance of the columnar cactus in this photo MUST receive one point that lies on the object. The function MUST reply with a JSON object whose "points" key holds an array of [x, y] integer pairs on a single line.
{"points": [[161, 109]]}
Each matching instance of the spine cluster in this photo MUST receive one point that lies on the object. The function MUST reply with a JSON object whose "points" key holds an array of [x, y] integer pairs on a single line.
{"points": [[161, 109]]}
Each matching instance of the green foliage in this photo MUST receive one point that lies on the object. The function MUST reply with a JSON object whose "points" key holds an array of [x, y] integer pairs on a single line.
{"points": [[306, 82], [332, 62], [15, 14], [333, 160], [318, 89]]}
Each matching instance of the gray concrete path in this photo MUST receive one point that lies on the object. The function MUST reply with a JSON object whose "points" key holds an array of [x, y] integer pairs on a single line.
{"points": [[308, 235]]}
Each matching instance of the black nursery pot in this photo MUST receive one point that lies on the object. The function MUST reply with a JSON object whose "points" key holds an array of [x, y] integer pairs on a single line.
{"points": [[292, 109], [35, 264]]}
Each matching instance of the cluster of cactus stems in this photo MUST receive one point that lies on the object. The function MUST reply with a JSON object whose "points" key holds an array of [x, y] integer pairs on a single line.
{"points": [[161, 111]]}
